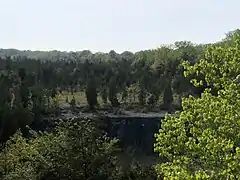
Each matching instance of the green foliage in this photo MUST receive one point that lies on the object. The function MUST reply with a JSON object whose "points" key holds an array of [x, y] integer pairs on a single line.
{"points": [[202, 142], [113, 91], [167, 96], [219, 67], [150, 69], [152, 100], [140, 172], [141, 96], [73, 102], [76, 150], [104, 95], [91, 94]]}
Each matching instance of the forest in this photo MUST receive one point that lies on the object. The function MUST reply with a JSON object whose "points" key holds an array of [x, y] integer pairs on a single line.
{"points": [[52, 107]]}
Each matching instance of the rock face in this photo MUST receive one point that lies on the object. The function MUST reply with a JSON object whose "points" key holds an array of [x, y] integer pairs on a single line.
{"points": [[134, 131]]}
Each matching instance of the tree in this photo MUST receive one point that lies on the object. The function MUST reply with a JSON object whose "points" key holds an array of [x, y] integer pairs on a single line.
{"points": [[168, 97], [104, 95], [203, 141], [91, 94], [112, 94], [78, 149]]}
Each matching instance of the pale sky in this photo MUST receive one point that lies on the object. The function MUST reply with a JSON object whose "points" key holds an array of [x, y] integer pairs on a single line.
{"points": [[103, 25]]}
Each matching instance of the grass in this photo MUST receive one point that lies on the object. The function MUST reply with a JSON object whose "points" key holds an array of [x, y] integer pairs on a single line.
{"points": [[80, 98]]}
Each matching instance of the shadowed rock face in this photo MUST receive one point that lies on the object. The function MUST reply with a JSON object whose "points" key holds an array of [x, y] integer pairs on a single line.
{"points": [[136, 132]]}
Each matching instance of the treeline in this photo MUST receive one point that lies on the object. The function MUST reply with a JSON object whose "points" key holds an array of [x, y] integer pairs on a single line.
{"points": [[46, 55], [116, 77]]}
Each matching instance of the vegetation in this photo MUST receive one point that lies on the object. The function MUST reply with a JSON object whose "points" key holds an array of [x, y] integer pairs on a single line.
{"points": [[200, 141]]}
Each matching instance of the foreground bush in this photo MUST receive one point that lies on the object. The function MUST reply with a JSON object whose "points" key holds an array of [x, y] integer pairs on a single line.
{"points": [[77, 149], [203, 141]]}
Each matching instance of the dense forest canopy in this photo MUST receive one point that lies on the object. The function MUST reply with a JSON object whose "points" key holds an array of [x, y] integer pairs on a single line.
{"points": [[198, 83], [57, 55]]}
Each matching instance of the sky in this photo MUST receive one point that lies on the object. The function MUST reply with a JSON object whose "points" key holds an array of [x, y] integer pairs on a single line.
{"points": [[120, 25]]}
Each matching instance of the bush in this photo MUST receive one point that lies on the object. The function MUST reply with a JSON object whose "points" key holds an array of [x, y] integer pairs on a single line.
{"points": [[76, 150], [140, 172], [203, 141]]}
